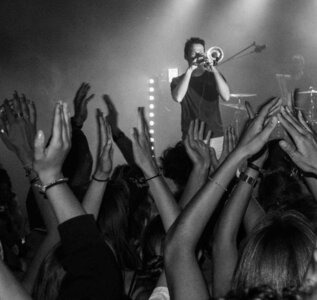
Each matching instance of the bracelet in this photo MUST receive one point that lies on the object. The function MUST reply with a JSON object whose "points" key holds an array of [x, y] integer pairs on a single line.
{"points": [[248, 179], [255, 167], [100, 180], [157, 175], [217, 183], [43, 188]]}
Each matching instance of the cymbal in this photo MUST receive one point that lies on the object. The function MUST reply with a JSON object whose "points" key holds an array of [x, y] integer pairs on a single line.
{"points": [[233, 105], [242, 95], [308, 92]]}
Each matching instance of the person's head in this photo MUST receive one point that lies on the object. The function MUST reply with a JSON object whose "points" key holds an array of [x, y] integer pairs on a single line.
{"points": [[193, 46], [298, 63], [176, 164], [276, 254]]}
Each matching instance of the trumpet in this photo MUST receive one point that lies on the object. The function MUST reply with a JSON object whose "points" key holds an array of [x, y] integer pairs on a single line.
{"points": [[213, 57]]}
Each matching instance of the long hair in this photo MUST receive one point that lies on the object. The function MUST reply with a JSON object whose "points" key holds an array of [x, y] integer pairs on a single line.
{"points": [[50, 276], [276, 254], [113, 221]]}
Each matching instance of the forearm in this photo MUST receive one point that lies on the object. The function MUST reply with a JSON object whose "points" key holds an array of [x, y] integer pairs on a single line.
{"points": [[196, 180], [93, 197], [222, 86], [124, 144], [179, 92], [253, 215], [64, 203], [165, 202]]}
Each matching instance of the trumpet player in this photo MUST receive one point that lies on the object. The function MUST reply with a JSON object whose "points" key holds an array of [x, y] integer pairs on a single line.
{"points": [[198, 90]]}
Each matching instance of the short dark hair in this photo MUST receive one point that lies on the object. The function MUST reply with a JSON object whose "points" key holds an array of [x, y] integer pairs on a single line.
{"points": [[190, 42]]}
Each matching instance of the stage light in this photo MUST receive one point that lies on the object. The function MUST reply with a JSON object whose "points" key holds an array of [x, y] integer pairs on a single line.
{"points": [[151, 115], [152, 139], [151, 89], [151, 98], [151, 81], [151, 106], [151, 131], [151, 123], [152, 148]]}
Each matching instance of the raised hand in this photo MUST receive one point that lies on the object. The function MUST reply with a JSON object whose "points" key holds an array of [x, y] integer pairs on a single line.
{"points": [[303, 150], [48, 160], [18, 127], [197, 146], [105, 148], [229, 143], [143, 154], [259, 129], [112, 117], [80, 104]]}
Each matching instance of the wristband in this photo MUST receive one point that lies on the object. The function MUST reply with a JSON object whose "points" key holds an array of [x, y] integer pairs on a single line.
{"points": [[248, 179], [43, 188], [100, 180], [157, 175], [255, 167]]}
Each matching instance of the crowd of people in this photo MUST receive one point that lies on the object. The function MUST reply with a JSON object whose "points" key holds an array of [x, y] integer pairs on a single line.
{"points": [[241, 225]]}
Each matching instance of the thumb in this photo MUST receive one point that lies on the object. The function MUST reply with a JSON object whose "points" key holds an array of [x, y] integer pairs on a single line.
{"points": [[39, 145]]}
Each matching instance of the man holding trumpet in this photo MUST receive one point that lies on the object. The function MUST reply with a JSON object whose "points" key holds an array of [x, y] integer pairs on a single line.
{"points": [[199, 88]]}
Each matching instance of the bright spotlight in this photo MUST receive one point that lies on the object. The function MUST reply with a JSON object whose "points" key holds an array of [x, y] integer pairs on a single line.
{"points": [[151, 81], [151, 123], [151, 106], [151, 115], [151, 89], [151, 98]]}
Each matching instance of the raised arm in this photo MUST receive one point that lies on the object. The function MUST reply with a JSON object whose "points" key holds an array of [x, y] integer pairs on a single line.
{"points": [[184, 277], [18, 128], [198, 151], [144, 158], [104, 163], [122, 141]]}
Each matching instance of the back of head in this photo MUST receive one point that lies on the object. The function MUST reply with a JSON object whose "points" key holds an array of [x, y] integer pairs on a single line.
{"points": [[276, 254], [176, 164]]}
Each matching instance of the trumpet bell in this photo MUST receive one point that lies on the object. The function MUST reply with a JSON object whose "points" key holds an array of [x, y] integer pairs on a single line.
{"points": [[215, 55]]}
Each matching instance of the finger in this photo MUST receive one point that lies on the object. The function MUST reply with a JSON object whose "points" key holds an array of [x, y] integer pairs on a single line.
{"points": [[201, 131], [140, 124], [249, 109], [191, 132], [291, 130], [99, 131], [25, 108], [266, 108], [292, 120], [225, 145], [213, 158], [135, 139], [8, 111], [17, 103], [33, 113], [303, 121], [196, 125], [57, 125], [66, 125], [208, 137], [39, 145]]}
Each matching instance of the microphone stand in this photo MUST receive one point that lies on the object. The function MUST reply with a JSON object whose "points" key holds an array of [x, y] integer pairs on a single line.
{"points": [[238, 53]]}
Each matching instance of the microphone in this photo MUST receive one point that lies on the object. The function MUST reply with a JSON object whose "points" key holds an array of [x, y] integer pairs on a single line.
{"points": [[259, 48]]}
